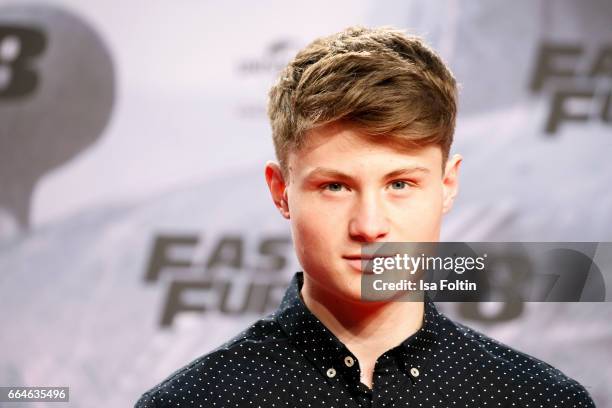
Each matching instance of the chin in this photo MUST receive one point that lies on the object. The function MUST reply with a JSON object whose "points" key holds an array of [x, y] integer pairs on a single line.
{"points": [[352, 293]]}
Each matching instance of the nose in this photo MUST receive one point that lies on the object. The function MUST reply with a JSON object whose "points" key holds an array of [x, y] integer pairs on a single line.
{"points": [[369, 221]]}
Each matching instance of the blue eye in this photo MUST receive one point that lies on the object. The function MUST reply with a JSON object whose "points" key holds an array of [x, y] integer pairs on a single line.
{"points": [[334, 186], [399, 185]]}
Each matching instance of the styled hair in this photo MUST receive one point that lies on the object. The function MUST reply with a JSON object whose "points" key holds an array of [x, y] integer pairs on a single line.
{"points": [[392, 87]]}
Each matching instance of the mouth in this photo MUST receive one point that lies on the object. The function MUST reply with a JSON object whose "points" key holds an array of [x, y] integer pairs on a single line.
{"points": [[367, 257], [357, 261]]}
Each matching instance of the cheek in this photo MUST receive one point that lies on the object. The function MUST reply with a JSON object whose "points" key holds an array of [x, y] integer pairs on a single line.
{"points": [[312, 219], [312, 243], [419, 219], [310, 231]]}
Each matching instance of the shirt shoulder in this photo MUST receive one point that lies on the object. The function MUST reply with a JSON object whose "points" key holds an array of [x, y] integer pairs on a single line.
{"points": [[526, 379], [200, 379]]}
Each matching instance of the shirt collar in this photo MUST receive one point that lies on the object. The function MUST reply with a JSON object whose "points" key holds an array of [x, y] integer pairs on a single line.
{"points": [[325, 351]]}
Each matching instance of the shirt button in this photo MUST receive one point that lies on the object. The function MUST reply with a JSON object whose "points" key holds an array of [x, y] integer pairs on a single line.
{"points": [[348, 360], [331, 373], [414, 372]]}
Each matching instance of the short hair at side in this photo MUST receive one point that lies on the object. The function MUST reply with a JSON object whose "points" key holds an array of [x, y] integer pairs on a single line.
{"points": [[393, 87]]}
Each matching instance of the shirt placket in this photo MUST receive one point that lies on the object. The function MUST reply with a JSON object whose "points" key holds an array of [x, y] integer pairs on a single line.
{"points": [[363, 396], [392, 386]]}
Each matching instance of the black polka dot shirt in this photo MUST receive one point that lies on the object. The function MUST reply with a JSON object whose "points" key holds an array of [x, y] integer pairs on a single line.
{"points": [[290, 359]]}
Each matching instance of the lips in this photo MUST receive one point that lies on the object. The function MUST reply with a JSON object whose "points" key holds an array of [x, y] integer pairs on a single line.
{"points": [[367, 257], [358, 257], [355, 261]]}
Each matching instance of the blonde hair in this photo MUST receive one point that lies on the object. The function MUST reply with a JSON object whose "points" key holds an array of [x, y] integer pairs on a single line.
{"points": [[391, 86]]}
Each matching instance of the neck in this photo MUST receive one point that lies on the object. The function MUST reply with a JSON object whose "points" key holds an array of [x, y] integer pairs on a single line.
{"points": [[367, 329]]}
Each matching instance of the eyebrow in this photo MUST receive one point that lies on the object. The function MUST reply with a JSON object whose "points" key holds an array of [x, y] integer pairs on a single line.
{"points": [[332, 173]]}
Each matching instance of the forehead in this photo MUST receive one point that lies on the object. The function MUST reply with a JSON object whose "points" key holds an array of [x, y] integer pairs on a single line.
{"points": [[345, 148]]}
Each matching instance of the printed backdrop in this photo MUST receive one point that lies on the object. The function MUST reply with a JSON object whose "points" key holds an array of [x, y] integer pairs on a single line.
{"points": [[136, 232]]}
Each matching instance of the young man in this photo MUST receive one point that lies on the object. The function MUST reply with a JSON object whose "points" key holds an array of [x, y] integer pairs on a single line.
{"points": [[362, 121]]}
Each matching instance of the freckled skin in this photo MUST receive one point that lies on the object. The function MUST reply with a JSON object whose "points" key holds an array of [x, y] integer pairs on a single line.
{"points": [[331, 216]]}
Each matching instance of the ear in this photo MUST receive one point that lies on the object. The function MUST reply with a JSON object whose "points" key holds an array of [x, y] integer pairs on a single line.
{"points": [[278, 187], [450, 182]]}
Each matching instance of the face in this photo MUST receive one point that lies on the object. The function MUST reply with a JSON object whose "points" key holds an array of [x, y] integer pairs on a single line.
{"points": [[344, 190]]}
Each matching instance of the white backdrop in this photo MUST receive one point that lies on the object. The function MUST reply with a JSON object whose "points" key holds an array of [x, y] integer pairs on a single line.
{"points": [[132, 142]]}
